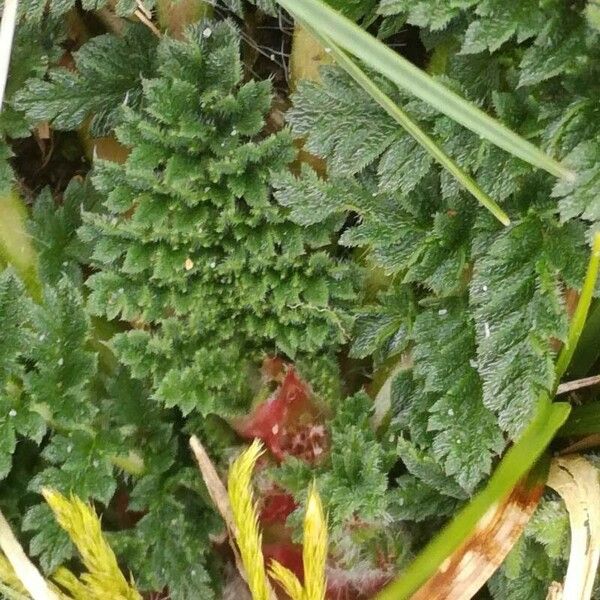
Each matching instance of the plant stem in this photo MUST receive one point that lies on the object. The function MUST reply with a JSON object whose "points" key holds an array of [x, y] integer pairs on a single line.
{"points": [[581, 312], [24, 569], [7, 32], [515, 464], [16, 248]]}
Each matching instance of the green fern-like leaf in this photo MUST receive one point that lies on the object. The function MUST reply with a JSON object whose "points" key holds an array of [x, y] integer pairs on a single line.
{"points": [[193, 249], [440, 404], [499, 22], [54, 229], [109, 74], [580, 198], [434, 14], [50, 338], [516, 294], [36, 10]]}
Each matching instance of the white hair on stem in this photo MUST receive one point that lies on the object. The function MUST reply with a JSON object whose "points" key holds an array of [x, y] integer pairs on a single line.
{"points": [[7, 32]]}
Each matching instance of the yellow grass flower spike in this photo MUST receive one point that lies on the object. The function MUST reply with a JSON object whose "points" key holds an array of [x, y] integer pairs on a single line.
{"points": [[67, 580], [287, 580], [249, 539], [245, 516], [314, 552], [104, 580], [314, 555]]}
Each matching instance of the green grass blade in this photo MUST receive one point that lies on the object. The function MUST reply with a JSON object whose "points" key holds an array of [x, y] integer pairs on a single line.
{"points": [[581, 312], [515, 464], [411, 127], [583, 420], [588, 350], [378, 56], [16, 245], [548, 420]]}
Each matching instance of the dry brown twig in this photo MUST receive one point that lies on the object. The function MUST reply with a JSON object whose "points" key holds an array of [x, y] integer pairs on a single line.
{"points": [[143, 9], [145, 16], [590, 441], [578, 384], [213, 482]]}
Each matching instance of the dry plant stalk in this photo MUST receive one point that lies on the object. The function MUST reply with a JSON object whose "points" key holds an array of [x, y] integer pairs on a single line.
{"points": [[24, 569], [469, 568], [145, 16], [213, 483], [219, 496], [7, 32], [576, 480], [586, 443], [571, 386]]}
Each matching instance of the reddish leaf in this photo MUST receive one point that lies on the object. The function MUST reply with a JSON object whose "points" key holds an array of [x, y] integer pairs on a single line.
{"points": [[289, 422]]}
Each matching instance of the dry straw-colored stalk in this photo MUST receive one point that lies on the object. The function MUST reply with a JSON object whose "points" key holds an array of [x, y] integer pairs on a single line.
{"points": [[7, 32], [24, 570]]}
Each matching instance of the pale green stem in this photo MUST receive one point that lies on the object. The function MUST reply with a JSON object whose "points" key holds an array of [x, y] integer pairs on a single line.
{"points": [[581, 312], [16, 246], [515, 464]]}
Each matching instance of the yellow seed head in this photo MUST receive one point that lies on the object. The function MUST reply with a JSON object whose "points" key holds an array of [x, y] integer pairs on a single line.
{"points": [[104, 578], [288, 580], [314, 552], [245, 516], [67, 580]]}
